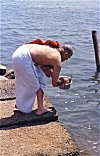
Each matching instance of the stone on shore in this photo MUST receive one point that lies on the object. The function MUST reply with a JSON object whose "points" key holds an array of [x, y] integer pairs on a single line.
{"points": [[10, 74], [32, 135], [2, 70], [41, 140], [3, 78], [7, 89], [11, 116]]}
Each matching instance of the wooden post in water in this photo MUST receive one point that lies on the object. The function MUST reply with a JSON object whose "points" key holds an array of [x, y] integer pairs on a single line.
{"points": [[96, 49]]}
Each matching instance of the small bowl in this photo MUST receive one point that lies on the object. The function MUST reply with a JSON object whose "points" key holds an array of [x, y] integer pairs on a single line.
{"points": [[67, 86]]}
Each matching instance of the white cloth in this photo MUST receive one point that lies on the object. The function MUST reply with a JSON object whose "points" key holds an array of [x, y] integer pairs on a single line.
{"points": [[29, 78]]}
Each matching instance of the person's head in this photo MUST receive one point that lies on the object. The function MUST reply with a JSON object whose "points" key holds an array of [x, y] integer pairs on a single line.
{"points": [[66, 52]]}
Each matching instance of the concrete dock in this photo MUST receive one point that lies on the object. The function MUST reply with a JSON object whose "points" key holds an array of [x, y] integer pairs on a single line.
{"points": [[28, 134]]}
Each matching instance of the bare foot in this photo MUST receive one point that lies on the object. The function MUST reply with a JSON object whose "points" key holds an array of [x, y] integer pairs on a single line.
{"points": [[42, 111]]}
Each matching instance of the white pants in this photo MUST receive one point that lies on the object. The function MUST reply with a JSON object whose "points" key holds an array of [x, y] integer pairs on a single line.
{"points": [[29, 79]]}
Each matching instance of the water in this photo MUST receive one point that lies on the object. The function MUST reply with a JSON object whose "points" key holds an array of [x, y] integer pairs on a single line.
{"points": [[72, 22]]}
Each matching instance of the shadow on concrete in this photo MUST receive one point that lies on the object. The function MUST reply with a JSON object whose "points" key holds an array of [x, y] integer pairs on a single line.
{"points": [[19, 119]]}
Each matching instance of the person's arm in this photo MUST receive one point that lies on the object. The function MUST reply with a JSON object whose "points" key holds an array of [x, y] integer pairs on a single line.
{"points": [[61, 81], [46, 70], [56, 81]]}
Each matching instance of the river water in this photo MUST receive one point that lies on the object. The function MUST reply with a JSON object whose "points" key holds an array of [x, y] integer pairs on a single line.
{"points": [[69, 22]]}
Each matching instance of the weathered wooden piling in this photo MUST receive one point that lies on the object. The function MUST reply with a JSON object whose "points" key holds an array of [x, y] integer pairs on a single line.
{"points": [[96, 49]]}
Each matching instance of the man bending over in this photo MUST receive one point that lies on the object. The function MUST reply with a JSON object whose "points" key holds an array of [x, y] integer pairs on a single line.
{"points": [[32, 63]]}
